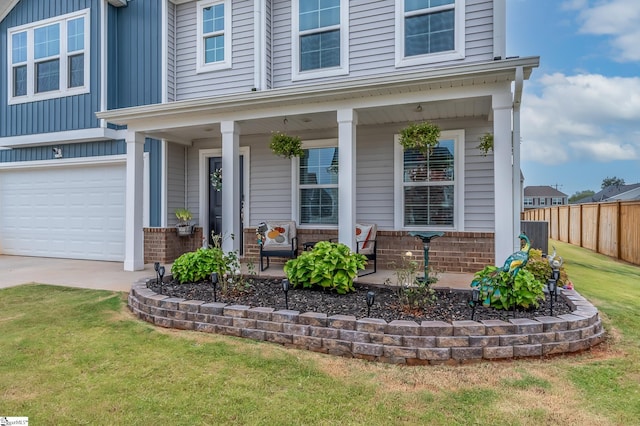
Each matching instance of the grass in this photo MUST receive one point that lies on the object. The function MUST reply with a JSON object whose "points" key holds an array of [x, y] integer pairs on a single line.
{"points": [[73, 356]]}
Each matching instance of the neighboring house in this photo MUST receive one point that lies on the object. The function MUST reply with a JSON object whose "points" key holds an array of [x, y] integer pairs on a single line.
{"points": [[630, 195], [611, 193], [189, 87], [536, 197]]}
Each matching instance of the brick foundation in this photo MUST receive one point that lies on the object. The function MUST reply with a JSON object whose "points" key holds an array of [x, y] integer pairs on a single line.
{"points": [[454, 252], [164, 245]]}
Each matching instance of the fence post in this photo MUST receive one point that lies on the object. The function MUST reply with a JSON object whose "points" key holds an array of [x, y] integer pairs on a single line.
{"points": [[598, 228], [618, 230]]}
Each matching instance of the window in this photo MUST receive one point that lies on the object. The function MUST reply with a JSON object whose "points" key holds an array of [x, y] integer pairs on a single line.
{"points": [[49, 58], [427, 195], [318, 186], [556, 201], [320, 38], [214, 35], [542, 201], [528, 201], [429, 31]]}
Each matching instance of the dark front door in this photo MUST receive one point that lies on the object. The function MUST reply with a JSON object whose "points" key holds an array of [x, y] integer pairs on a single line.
{"points": [[215, 201]]}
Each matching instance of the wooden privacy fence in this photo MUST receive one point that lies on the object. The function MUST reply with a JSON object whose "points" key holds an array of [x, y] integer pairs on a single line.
{"points": [[612, 228]]}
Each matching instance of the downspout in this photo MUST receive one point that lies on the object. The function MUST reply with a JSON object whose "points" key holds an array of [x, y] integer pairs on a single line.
{"points": [[515, 142]]}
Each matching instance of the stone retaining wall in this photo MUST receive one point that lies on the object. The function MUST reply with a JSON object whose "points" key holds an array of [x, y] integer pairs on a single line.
{"points": [[398, 342]]}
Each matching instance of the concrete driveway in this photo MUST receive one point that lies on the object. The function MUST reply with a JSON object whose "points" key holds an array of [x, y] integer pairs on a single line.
{"points": [[17, 270]]}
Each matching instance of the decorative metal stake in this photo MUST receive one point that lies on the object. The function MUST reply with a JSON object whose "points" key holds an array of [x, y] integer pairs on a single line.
{"points": [[426, 238], [214, 281], [285, 288], [156, 266], [161, 275], [475, 298], [371, 297]]}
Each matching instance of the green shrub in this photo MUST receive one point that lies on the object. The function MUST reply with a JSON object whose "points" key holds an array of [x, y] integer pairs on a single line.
{"points": [[198, 265], [413, 291], [541, 269], [329, 266], [499, 292]]}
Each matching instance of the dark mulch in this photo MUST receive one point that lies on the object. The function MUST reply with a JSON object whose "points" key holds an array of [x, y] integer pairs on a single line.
{"points": [[450, 305]]}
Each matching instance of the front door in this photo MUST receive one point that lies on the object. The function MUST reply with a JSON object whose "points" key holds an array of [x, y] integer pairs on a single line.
{"points": [[215, 201]]}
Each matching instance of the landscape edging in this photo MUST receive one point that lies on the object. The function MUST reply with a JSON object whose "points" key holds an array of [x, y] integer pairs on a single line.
{"points": [[397, 342]]}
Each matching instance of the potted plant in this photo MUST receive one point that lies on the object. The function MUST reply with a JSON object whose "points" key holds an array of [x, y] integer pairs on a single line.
{"points": [[420, 136], [486, 143], [184, 226], [285, 145]]}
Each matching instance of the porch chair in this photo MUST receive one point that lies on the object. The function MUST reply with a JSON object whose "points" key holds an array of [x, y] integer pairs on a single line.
{"points": [[279, 240], [367, 244]]}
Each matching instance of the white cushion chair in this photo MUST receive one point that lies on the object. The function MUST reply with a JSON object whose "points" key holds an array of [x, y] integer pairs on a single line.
{"points": [[280, 240], [366, 243]]}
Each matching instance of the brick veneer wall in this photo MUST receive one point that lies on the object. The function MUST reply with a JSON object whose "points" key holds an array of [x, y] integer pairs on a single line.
{"points": [[164, 245], [398, 342], [454, 252]]}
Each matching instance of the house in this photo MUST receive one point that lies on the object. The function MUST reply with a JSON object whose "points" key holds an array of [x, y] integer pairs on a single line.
{"points": [[536, 197], [611, 193], [163, 93]]}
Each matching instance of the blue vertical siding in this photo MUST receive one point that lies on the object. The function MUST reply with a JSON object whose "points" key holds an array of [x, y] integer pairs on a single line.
{"points": [[53, 115], [71, 150], [135, 68]]}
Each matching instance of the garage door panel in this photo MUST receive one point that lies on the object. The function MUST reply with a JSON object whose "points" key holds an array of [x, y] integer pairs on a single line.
{"points": [[73, 212]]}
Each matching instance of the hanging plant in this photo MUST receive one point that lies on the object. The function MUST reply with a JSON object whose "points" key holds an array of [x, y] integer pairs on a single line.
{"points": [[216, 179], [486, 144], [420, 136], [285, 145]]}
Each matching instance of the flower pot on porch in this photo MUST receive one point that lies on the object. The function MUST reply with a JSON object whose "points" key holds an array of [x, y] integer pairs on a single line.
{"points": [[184, 230]]}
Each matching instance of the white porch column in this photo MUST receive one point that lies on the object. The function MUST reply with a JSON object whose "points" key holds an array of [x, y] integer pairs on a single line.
{"points": [[503, 180], [230, 185], [133, 235], [347, 122]]}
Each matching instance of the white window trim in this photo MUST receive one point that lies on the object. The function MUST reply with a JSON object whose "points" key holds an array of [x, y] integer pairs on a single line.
{"points": [[528, 201], [295, 179], [458, 136], [450, 55], [63, 56], [201, 66], [343, 69]]}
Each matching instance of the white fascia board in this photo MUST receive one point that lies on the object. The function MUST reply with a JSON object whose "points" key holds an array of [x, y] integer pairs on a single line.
{"points": [[71, 136], [65, 162], [341, 90], [6, 7]]}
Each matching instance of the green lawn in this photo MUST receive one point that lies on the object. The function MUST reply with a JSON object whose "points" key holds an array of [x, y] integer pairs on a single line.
{"points": [[71, 356]]}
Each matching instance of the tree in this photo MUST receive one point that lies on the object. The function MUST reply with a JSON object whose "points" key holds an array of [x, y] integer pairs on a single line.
{"points": [[579, 195], [610, 181]]}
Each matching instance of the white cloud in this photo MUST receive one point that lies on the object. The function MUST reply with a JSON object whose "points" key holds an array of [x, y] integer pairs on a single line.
{"points": [[587, 116], [616, 18]]}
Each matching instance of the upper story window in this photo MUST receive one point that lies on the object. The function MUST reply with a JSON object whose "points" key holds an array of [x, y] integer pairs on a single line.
{"points": [[429, 31], [542, 201], [50, 58], [430, 187], [317, 189], [557, 201], [528, 201], [319, 38], [214, 35]]}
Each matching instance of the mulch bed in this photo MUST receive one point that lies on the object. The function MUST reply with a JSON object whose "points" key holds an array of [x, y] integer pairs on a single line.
{"points": [[450, 305]]}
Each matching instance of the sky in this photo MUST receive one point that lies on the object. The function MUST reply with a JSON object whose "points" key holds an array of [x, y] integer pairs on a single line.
{"points": [[580, 115]]}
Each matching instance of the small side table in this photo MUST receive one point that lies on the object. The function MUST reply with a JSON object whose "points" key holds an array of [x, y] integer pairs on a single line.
{"points": [[309, 245]]}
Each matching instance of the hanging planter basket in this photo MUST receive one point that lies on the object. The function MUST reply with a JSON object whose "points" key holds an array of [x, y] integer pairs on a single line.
{"points": [[420, 136], [285, 145], [486, 144]]}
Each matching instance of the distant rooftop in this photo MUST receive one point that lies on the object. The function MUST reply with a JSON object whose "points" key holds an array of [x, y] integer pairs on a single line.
{"points": [[542, 191], [610, 192]]}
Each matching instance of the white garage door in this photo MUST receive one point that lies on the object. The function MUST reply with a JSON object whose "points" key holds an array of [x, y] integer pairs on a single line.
{"points": [[74, 212]]}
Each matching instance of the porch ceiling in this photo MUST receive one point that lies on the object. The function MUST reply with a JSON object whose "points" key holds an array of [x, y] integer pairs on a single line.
{"points": [[440, 94], [299, 123]]}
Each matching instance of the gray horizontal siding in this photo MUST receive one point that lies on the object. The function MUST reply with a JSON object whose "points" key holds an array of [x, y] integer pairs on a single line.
{"points": [[240, 78], [270, 176], [175, 182], [171, 52], [372, 39], [52, 115]]}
